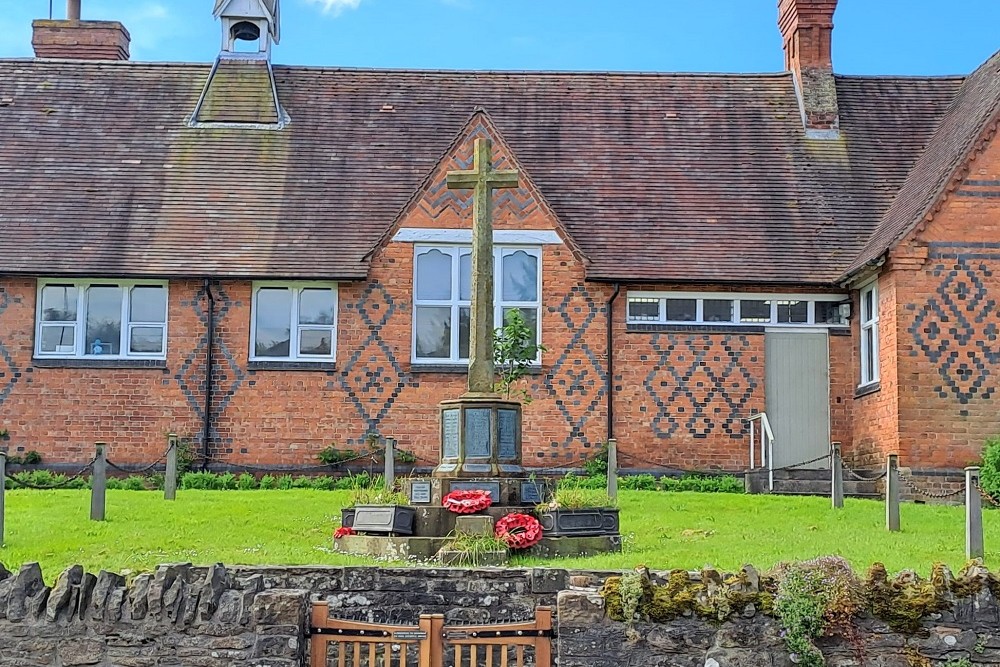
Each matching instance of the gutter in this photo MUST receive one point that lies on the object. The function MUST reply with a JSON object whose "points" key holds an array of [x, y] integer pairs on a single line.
{"points": [[206, 436], [610, 379]]}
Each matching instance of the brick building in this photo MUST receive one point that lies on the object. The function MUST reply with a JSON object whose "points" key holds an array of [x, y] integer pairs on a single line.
{"points": [[266, 259]]}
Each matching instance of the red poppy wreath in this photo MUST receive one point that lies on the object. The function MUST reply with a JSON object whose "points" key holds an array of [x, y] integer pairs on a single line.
{"points": [[519, 531], [343, 531], [467, 501]]}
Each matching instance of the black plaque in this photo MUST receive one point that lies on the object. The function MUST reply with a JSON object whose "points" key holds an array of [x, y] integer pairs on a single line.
{"points": [[492, 487], [420, 492], [409, 635]]}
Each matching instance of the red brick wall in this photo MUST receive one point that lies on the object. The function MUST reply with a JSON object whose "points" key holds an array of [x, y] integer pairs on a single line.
{"points": [[949, 324]]}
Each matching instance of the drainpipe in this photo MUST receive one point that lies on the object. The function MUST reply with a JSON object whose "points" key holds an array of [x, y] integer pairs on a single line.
{"points": [[610, 380], [207, 430]]}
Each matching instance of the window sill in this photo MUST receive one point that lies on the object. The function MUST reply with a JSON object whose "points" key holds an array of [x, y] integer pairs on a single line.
{"points": [[459, 369], [865, 390], [694, 328], [100, 363], [321, 366]]}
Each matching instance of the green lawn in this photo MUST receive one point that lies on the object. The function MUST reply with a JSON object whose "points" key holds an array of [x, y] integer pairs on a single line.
{"points": [[662, 530]]}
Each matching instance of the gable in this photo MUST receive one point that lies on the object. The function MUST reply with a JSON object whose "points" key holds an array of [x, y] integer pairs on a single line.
{"points": [[435, 207]]}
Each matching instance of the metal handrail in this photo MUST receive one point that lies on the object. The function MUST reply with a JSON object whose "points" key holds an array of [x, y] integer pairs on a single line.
{"points": [[766, 446]]}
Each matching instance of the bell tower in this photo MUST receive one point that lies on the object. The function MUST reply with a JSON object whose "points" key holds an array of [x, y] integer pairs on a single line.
{"points": [[249, 26]]}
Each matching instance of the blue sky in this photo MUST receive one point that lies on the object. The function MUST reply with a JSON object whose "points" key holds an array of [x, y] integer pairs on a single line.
{"points": [[871, 36]]}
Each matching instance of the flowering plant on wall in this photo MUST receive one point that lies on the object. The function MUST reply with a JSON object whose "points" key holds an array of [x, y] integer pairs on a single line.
{"points": [[467, 501], [343, 531], [519, 531]]}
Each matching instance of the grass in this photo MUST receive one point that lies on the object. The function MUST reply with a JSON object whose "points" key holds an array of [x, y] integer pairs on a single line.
{"points": [[661, 530]]}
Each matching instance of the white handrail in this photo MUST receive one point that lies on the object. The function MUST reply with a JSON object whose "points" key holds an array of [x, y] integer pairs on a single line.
{"points": [[766, 446]]}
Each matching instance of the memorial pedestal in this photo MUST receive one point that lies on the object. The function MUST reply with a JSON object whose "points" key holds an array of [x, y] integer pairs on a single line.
{"points": [[480, 437]]}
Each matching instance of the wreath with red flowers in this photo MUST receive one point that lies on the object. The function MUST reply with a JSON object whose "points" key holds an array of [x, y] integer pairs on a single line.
{"points": [[343, 531], [519, 531], [467, 501]]}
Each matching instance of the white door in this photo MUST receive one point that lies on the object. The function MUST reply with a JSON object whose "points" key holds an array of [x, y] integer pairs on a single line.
{"points": [[798, 395]]}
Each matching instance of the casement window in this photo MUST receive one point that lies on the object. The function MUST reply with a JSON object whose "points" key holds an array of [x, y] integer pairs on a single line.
{"points": [[101, 319], [443, 297], [718, 308], [293, 322], [869, 334]]}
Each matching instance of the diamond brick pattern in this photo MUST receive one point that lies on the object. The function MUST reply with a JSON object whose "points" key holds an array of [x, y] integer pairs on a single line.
{"points": [[957, 329], [700, 385], [9, 372], [578, 375], [372, 377], [227, 375], [437, 198]]}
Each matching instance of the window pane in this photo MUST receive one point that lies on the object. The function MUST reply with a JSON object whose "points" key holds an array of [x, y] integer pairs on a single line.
{"points": [[682, 310], [793, 312], [718, 310], [755, 311], [869, 355], [520, 277], [58, 339], [316, 306], [828, 312], [464, 329], [59, 303], [530, 318], [146, 340], [434, 276], [465, 277], [273, 321], [149, 304], [434, 332], [647, 310], [104, 320], [867, 307], [317, 342]]}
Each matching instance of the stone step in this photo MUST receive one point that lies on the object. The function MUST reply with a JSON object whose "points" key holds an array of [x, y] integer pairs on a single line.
{"points": [[812, 482]]}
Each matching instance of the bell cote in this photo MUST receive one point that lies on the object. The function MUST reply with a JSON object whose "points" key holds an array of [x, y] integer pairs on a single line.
{"points": [[248, 26]]}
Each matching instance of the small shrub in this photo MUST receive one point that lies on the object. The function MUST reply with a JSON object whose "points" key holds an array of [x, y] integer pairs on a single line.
{"points": [[577, 498], [156, 481], [268, 482], [326, 483], [598, 466], [703, 484], [573, 481], [45, 478], [226, 482], [133, 483], [285, 482], [374, 492], [199, 481], [331, 456], [246, 482], [303, 482], [989, 473], [643, 482]]}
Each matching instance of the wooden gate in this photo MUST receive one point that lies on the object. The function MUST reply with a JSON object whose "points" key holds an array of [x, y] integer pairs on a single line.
{"points": [[430, 643]]}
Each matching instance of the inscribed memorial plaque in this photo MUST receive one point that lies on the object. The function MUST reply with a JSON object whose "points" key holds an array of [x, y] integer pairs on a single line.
{"points": [[477, 433], [450, 419], [420, 492], [508, 433], [492, 487]]}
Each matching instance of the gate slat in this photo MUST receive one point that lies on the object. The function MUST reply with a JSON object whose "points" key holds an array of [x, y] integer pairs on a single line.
{"points": [[504, 659], [474, 656], [356, 654], [520, 655], [341, 655], [489, 655]]}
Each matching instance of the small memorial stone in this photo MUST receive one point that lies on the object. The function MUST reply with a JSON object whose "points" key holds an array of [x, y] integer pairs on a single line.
{"points": [[420, 492]]}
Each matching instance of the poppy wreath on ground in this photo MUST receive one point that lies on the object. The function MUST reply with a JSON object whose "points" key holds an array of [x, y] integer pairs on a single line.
{"points": [[519, 531], [343, 531], [467, 501]]}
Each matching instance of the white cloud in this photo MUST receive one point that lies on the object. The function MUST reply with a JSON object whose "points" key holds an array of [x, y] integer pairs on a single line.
{"points": [[335, 7]]}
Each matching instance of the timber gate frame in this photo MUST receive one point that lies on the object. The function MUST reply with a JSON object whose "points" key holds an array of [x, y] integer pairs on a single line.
{"points": [[430, 642]]}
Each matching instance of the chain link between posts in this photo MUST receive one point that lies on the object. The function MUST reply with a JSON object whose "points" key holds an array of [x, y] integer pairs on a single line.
{"points": [[15, 482], [987, 496], [140, 471], [935, 495]]}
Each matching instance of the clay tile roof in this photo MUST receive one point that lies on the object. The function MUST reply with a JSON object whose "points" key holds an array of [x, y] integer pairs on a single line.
{"points": [[239, 91], [975, 105], [657, 177]]}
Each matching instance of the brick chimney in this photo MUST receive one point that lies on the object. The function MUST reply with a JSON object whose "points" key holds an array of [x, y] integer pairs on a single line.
{"points": [[80, 40], [806, 29]]}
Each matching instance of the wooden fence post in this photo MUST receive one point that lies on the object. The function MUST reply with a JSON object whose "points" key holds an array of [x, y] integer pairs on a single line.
{"points": [[613, 469], [892, 493], [837, 478], [170, 477], [99, 484], [973, 515], [3, 488], [390, 463]]}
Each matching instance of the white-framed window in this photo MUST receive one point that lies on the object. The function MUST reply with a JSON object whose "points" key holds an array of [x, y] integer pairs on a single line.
{"points": [[293, 322], [869, 334], [743, 309], [442, 297], [105, 319]]}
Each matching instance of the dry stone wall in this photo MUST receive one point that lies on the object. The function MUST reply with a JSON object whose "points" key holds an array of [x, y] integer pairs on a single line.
{"points": [[258, 616]]}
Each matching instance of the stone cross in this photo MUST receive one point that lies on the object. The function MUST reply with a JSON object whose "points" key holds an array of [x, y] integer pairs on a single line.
{"points": [[483, 179]]}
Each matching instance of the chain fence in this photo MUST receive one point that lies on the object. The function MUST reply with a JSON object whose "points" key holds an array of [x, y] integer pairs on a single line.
{"points": [[143, 470], [909, 482], [18, 480]]}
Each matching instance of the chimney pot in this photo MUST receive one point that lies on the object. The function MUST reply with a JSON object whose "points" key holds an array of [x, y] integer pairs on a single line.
{"points": [[72, 10], [80, 40]]}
